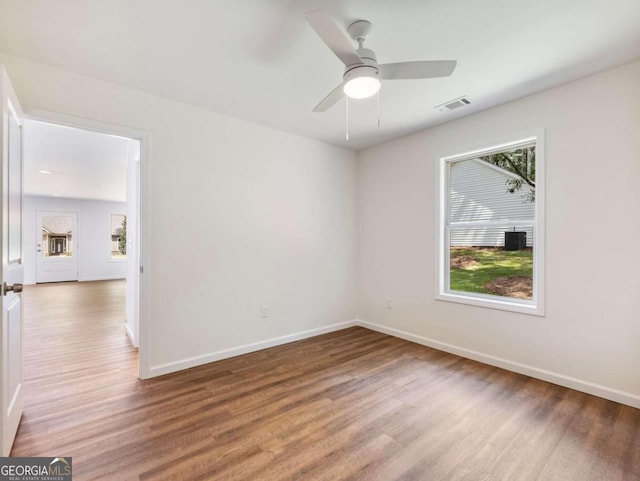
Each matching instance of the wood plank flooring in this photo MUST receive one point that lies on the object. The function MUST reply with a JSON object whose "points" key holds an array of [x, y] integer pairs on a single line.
{"points": [[351, 405]]}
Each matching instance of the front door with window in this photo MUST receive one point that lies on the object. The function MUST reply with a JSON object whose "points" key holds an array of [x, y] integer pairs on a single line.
{"points": [[57, 249]]}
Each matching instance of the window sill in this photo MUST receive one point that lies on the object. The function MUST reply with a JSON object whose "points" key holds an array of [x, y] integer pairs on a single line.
{"points": [[492, 302]]}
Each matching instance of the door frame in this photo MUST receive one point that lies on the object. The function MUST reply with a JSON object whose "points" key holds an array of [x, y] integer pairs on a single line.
{"points": [[143, 193]]}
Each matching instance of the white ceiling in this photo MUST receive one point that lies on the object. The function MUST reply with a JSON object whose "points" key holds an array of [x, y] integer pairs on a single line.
{"points": [[260, 61], [83, 164]]}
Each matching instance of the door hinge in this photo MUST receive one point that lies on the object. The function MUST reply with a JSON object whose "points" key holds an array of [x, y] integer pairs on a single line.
{"points": [[141, 269]]}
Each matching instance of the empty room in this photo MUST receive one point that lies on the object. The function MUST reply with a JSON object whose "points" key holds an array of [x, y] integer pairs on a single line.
{"points": [[362, 240]]}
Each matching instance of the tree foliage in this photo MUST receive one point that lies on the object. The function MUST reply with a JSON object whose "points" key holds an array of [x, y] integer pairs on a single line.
{"points": [[122, 238], [521, 162]]}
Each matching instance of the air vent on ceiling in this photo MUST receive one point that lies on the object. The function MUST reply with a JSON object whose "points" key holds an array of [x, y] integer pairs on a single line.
{"points": [[453, 104]]}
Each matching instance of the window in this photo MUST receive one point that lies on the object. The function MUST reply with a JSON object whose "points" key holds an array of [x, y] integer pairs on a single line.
{"points": [[57, 236], [491, 247], [118, 236]]}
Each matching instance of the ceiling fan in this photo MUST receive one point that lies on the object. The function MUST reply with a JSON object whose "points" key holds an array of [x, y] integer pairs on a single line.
{"points": [[362, 74]]}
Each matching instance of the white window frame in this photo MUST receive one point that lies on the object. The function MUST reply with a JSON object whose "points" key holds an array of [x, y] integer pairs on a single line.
{"points": [[535, 306]]}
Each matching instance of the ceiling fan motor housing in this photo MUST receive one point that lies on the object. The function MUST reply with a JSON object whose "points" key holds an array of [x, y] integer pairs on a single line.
{"points": [[368, 67], [362, 80], [360, 71]]}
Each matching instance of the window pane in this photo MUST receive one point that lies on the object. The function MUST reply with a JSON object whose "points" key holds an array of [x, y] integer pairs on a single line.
{"points": [[118, 236], [482, 191], [491, 218], [481, 261], [57, 236]]}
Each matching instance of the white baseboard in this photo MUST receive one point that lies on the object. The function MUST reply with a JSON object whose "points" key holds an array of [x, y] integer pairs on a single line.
{"points": [[552, 377], [174, 366], [616, 395], [108, 278], [84, 279], [130, 335]]}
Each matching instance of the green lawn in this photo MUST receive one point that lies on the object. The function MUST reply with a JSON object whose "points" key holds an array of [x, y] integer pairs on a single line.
{"points": [[477, 266]]}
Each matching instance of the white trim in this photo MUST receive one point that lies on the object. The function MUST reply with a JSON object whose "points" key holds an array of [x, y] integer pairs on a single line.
{"points": [[474, 224], [100, 278], [492, 302], [174, 366], [588, 387], [83, 123], [129, 334], [493, 146], [144, 219], [442, 282]]}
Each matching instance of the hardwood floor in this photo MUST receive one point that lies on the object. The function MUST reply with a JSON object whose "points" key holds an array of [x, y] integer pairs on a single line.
{"points": [[351, 405]]}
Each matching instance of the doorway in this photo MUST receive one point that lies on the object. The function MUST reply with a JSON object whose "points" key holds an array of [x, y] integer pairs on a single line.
{"points": [[56, 253], [93, 233]]}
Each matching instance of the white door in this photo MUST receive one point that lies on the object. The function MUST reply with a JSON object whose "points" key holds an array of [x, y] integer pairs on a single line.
{"points": [[12, 268], [57, 246]]}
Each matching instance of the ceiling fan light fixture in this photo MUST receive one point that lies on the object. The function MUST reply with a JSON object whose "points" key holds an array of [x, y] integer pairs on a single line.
{"points": [[361, 82]]}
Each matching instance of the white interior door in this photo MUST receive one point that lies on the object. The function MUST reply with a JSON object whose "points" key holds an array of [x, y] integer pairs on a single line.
{"points": [[57, 246], [12, 267]]}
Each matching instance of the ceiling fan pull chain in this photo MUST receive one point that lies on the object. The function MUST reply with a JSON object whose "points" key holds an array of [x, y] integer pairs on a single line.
{"points": [[347, 122], [378, 106]]}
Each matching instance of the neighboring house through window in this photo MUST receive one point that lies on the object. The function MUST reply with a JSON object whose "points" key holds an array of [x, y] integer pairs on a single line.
{"points": [[491, 248], [118, 236]]}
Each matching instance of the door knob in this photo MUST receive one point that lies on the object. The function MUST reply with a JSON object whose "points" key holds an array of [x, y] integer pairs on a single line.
{"points": [[15, 288]]}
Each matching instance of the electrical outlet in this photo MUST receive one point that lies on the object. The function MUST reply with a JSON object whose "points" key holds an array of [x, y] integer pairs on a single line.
{"points": [[389, 303], [264, 312]]}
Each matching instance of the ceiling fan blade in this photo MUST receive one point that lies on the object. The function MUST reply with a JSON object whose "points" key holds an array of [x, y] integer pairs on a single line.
{"points": [[335, 39], [328, 102], [417, 70]]}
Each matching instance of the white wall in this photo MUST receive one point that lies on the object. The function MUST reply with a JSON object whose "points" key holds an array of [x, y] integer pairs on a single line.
{"points": [[591, 332], [93, 237], [239, 216]]}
